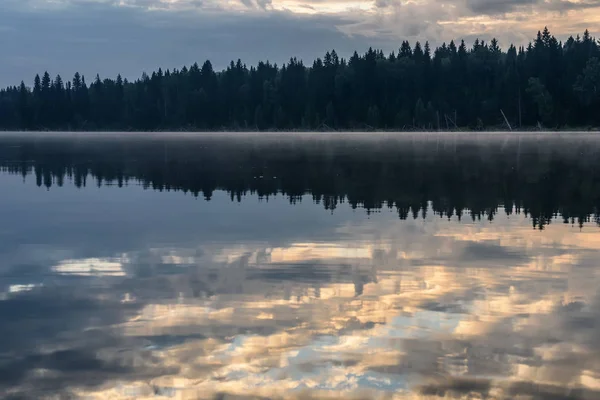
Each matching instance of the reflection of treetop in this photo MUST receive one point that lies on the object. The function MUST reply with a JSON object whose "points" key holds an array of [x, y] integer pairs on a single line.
{"points": [[542, 176]]}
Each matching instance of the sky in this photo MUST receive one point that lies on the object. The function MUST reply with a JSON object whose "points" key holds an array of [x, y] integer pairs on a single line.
{"points": [[132, 36]]}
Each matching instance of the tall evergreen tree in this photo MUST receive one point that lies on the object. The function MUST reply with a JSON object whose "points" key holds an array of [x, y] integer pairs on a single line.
{"points": [[449, 87]]}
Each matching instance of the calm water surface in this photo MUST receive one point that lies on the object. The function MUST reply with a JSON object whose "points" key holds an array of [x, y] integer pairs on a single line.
{"points": [[300, 266]]}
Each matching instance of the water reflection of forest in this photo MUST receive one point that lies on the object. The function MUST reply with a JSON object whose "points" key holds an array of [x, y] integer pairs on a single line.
{"points": [[543, 176]]}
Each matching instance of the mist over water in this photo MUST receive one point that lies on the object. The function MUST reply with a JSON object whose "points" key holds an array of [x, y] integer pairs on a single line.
{"points": [[413, 266]]}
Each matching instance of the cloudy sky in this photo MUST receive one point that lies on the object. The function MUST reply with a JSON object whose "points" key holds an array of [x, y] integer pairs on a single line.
{"points": [[130, 36]]}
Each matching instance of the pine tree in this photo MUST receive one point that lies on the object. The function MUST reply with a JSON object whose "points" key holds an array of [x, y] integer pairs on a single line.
{"points": [[452, 86]]}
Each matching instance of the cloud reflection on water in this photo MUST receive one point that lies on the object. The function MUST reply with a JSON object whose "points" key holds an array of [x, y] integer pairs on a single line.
{"points": [[462, 310], [127, 293]]}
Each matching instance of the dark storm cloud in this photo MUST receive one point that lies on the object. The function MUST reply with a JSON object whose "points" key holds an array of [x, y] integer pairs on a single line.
{"points": [[103, 38], [383, 3], [497, 6], [259, 4], [566, 5], [504, 6]]}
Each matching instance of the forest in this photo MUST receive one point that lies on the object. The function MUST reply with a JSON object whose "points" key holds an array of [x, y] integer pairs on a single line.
{"points": [[546, 177], [545, 85]]}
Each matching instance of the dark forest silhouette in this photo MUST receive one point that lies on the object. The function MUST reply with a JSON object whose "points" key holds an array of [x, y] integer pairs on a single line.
{"points": [[546, 84], [448, 174]]}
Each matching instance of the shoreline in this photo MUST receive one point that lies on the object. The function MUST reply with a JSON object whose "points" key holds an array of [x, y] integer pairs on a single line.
{"points": [[298, 132]]}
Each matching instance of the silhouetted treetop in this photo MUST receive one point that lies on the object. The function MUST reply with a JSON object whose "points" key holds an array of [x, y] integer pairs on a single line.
{"points": [[547, 83]]}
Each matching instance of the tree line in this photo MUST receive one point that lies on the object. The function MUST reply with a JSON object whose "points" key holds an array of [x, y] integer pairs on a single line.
{"points": [[542, 177], [546, 84]]}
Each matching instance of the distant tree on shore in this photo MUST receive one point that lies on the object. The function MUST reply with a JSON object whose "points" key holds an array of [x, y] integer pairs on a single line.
{"points": [[548, 82]]}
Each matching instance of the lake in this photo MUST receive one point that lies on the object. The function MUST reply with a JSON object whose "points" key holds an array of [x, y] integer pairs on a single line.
{"points": [[238, 266]]}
